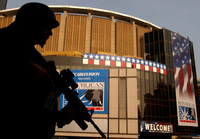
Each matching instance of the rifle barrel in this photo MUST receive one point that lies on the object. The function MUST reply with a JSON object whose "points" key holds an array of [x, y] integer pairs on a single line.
{"points": [[97, 128]]}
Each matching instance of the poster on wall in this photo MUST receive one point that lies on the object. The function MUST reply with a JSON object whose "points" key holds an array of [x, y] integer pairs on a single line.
{"points": [[184, 87], [92, 89]]}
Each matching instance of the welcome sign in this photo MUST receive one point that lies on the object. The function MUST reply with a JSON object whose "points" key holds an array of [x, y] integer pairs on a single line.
{"points": [[156, 127]]}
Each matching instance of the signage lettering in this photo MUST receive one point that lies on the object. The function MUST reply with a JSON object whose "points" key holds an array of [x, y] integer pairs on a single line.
{"points": [[92, 85], [156, 127], [87, 74]]}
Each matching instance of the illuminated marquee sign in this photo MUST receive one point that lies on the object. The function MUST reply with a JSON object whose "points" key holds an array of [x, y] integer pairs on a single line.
{"points": [[156, 127]]}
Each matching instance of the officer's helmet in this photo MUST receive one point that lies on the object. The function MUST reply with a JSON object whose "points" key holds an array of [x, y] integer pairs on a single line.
{"points": [[36, 15]]}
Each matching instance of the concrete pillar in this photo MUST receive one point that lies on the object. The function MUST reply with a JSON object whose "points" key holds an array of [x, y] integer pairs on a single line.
{"points": [[88, 34], [112, 35], [61, 41], [134, 39]]}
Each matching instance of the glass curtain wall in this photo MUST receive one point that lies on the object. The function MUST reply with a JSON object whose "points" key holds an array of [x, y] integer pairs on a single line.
{"points": [[158, 46]]}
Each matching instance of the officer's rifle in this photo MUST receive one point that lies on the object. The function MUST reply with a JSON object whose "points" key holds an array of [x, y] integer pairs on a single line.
{"points": [[65, 84]]}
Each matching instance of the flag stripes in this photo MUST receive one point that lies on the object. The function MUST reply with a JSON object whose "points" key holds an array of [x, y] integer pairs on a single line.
{"points": [[121, 61]]}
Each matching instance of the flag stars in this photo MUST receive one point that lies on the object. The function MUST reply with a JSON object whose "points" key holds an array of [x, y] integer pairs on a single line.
{"points": [[85, 56], [133, 60], [96, 56], [102, 57], [107, 57], [118, 58], [181, 51], [123, 59], [185, 57], [91, 56], [112, 58]]}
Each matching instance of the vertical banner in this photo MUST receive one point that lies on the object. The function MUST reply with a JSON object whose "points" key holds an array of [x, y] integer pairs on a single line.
{"points": [[92, 89], [183, 76]]}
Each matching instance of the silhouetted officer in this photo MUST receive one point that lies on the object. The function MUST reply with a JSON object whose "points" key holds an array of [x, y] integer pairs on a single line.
{"points": [[29, 108]]}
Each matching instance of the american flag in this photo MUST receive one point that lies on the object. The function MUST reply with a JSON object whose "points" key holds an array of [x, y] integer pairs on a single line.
{"points": [[121, 61], [182, 67]]}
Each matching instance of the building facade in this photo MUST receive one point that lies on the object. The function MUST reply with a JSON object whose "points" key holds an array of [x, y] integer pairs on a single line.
{"points": [[137, 97], [3, 4], [159, 45]]}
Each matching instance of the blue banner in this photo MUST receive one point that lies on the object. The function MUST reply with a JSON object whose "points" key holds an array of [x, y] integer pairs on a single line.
{"points": [[92, 89]]}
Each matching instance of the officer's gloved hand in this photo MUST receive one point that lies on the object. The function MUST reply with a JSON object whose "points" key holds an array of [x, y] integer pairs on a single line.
{"points": [[51, 65], [65, 116]]}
